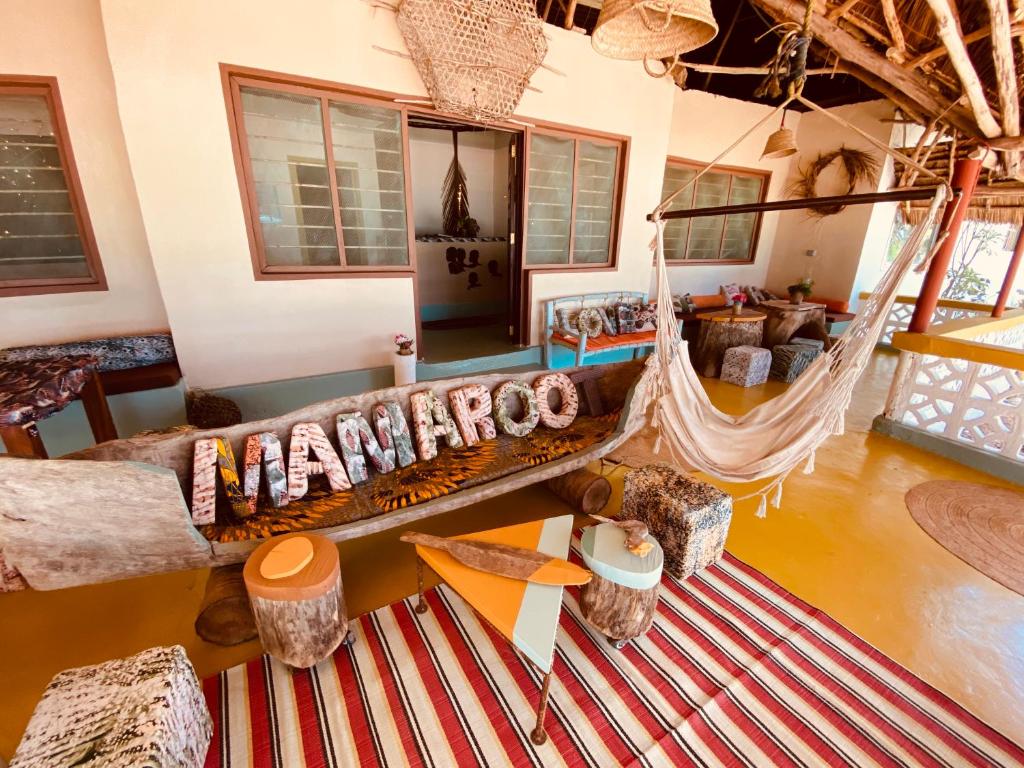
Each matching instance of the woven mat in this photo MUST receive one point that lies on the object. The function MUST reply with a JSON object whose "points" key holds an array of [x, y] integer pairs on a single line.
{"points": [[983, 525], [735, 672]]}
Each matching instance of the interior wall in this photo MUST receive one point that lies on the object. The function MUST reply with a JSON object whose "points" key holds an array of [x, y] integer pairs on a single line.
{"points": [[841, 241], [703, 125], [64, 39], [231, 329]]}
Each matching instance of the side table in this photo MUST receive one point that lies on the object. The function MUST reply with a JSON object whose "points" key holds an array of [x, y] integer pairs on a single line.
{"points": [[32, 390], [721, 330], [785, 320]]}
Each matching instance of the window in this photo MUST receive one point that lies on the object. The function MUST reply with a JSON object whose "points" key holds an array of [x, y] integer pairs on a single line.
{"points": [[731, 238], [46, 242], [324, 179], [573, 193]]}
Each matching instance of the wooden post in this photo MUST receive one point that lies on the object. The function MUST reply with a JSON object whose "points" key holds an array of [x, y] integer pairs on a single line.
{"points": [[965, 178], [225, 616], [1011, 275], [585, 491]]}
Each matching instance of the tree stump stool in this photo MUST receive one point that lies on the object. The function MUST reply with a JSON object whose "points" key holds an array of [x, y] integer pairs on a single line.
{"points": [[689, 518], [146, 710], [786, 320], [721, 330], [621, 597], [585, 491], [297, 598], [790, 360], [746, 366]]}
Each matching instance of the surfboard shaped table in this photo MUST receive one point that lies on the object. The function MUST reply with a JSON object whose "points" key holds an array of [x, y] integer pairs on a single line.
{"points": [[524, 613]]}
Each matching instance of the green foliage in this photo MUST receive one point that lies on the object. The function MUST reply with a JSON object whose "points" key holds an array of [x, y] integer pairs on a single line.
{"points": [[804, 286], [967, 285]]}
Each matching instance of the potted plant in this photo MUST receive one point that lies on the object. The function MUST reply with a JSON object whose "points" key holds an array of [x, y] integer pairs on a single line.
{"points": [[405, 360], [800, 291], [404, 344], [738, 300]]}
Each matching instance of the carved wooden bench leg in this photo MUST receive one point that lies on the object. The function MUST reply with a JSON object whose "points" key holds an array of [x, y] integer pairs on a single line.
{"points": [[539, 735], [421, 606]]}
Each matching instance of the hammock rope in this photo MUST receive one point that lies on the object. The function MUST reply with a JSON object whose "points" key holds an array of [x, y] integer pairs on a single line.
{"points": [[774, 438]]}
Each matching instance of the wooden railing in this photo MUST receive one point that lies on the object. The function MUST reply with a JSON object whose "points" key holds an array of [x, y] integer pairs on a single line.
{"points": [[964, 381]]}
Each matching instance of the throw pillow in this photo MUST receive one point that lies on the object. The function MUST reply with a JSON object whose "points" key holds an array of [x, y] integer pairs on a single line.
{"points": [[608, 321], [647, 317], [728, 290], [683, 303], [626, 318], [589, 321]]}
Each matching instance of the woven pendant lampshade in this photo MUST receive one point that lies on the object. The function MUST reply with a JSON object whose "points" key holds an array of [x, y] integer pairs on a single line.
{"points": [[652, 29], [780, 144]]}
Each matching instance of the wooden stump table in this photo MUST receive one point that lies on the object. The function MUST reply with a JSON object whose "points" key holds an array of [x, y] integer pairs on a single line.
{"points": [[621, 597], [786, 320], [721, 330], [297, 598]]}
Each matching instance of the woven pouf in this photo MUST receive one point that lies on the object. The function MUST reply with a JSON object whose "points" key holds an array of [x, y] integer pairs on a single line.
{"points": [[146, 710], [790, 360], [746, 366], [689, 518], [813, 343]]}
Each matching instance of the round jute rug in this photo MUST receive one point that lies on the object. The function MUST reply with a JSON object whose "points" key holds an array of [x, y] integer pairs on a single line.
{"points": [[981, 524]]}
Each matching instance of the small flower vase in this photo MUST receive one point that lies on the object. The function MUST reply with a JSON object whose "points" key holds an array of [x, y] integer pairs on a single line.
{"points": [[405, 348], [405, 366], [796, 297], [737, 308]]}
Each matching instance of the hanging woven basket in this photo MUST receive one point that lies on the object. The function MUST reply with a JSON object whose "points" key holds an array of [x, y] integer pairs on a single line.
{"points": [[656, 29], [476, 57]]}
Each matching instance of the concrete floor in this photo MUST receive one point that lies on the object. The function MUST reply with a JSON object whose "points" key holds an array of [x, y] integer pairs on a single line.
{"points": [[442, 346], [843, 541]]}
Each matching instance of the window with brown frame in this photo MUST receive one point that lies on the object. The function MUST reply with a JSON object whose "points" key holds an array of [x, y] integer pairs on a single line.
{"points": [[723, 239], [325, 180], [573, 193], [46, 241]]}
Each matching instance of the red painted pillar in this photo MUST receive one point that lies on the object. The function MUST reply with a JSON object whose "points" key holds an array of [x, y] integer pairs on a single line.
{"points": [[1011, 275], [965, 179]]}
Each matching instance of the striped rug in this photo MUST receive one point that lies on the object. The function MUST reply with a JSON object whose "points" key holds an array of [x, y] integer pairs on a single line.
{"points": [[735, 672]]}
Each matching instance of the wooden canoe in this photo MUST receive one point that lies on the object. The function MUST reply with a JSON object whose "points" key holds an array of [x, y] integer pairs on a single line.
{"points": [[120, 509]]}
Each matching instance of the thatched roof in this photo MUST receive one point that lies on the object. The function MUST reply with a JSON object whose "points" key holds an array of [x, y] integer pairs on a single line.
{"points": [[957, 63], [997, 202]]}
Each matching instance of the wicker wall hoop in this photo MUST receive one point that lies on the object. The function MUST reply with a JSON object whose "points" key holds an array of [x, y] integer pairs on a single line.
{"points": [[858, 165], [632, 29], [476, 57]]}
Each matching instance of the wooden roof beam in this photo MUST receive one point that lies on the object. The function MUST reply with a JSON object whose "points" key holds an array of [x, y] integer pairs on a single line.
{"points": [[945, 17], [1016, 30], [913, 86], [899, 42], [1006, 70]]}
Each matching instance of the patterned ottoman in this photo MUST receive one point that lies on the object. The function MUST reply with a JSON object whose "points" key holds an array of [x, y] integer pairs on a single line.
{"points": [[146, 710], [689, 518], [812, 343], [790, 360], [746, 366]]}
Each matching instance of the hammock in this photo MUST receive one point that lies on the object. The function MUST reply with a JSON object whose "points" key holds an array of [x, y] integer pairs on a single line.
{"points": [[775, 437]]}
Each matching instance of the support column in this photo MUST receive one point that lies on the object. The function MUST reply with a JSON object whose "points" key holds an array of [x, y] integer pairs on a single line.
{"points": [[1011, 275], [965, 178]]}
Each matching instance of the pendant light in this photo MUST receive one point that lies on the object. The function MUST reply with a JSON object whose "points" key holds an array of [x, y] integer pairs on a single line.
{"points": [[780, 144], [655, 29]]}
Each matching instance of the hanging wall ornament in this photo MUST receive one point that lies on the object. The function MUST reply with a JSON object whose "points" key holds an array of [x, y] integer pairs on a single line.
{"points": [[652, 29], [476, 57], [454, 194]]}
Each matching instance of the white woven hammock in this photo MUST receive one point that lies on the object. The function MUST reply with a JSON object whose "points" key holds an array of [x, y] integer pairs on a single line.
{"points": [[774, 438]]}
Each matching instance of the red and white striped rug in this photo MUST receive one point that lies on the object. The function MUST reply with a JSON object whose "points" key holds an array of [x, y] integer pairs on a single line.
{"points": [[735, 672]]}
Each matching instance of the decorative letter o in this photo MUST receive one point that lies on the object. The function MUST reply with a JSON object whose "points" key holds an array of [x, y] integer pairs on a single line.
{"points": [[570, 400], [531, 414]]}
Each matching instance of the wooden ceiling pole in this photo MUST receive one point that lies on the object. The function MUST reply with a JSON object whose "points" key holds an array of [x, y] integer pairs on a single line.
{"points": [[899, 42], [945, 18], [1016, 30], [840, 10], [1006, 77], [913, 85]]}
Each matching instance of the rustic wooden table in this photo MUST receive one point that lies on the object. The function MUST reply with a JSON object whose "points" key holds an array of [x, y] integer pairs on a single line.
{"points": [[787, 320], [721, 330]]}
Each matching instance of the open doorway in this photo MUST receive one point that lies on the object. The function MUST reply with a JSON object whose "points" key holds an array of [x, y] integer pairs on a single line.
{"points": [[467, 275]]}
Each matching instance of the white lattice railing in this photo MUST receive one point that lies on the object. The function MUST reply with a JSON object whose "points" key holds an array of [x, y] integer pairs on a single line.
{"points": [[947, 309], [978, 404]]}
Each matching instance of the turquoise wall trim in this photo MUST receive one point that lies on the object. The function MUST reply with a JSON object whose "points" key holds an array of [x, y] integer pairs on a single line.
{"points": [[133, 412], [563, 357], [430, 312]]}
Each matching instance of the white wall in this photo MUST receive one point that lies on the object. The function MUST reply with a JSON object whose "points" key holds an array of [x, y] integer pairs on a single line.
{"points": [[64, 39], [842, 241], [703, 125], [230, 329]]}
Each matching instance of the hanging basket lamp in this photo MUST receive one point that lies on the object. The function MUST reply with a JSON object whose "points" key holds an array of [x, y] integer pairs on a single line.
{"points": [[656, 29], [780, 144]]}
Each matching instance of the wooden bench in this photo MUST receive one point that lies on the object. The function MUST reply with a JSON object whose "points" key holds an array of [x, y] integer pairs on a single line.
{"points": [[555, 333]]}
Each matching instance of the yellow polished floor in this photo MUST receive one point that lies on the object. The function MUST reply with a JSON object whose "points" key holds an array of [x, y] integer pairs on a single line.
{"points": [[843, 541]]}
